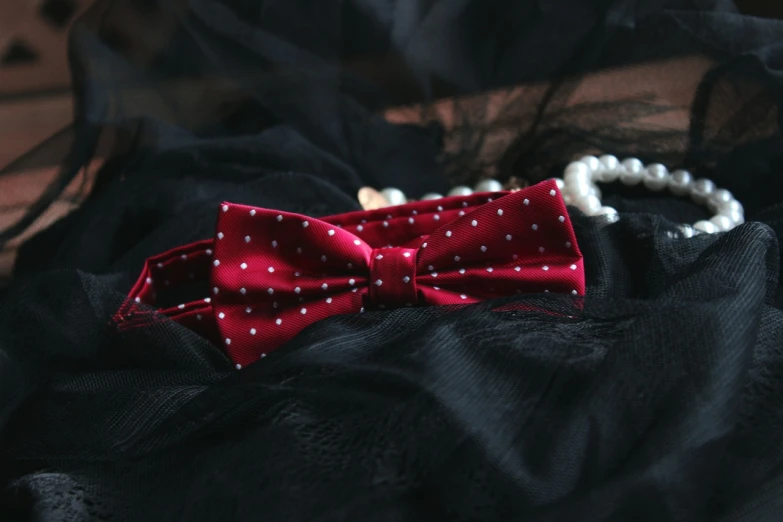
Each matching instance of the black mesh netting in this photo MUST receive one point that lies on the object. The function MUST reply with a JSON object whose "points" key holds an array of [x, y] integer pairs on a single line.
{"points": [[658, 397]]}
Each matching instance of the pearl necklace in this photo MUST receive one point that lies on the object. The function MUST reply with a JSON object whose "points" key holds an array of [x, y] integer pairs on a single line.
{"points": [[579, 189]]}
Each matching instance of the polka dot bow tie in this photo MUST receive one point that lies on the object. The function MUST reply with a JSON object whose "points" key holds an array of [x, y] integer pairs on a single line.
{"points": [[272, 273]]}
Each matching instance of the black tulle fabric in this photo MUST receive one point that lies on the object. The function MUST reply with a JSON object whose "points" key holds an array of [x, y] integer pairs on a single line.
{"points": [[659, 396]]}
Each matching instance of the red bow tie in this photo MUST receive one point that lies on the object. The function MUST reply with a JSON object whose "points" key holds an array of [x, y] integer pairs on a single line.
{"points": [[272, 273]]}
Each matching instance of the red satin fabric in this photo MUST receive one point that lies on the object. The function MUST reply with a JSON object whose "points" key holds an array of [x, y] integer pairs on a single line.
{"points": [[272, 273]]}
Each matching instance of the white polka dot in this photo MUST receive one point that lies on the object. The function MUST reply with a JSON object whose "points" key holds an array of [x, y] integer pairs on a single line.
{"points": [[303, 311], [354, 290], [364, 221], [544, 268], [552, 192], [238, 366], [360, 228], [349, 265], [160, 265], [248, 310], [198, 317], [457, 259], [411, 220], [297, 290], [275, 304], [526, 202], [279, 218], [216, 262], [323, 259], [184, 257], [352, 282], [138, 299], [225, 208], [515, 257], [361, 310], [297, 274], [207, 300], [508, 237], [463, 296], [568, 244], [483, 248], [462, 271], [386, 224], [489, 200], [379, 257], [517, 269], [436, 287], [574, 292], [406, 279], [216, 290], [220, 235], [434, 274], [209, 251], [279, 322], [448, 233], [541, 250], [331, 232], [252, 331], [388, 216], [572, 267], [305, 224], [357, 242], [430, 268], [406, 254], [379, 282], [534, 227], [243, 291], [271, 269], [464, 203], [221, 315], [424, 245], [274, 244], [253, 212], [324, 286], [474, 223], [440, 208], [247, 240], [490, 269], [436, 217], [263, 355], [149, 280], [500, 212], [561, 219], [243, 266]]}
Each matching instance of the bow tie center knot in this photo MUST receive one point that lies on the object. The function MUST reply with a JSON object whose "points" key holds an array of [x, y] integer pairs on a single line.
{"points": [[392, 277]]}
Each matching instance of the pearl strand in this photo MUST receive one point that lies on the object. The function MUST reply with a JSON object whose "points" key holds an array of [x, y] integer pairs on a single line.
{"points": [[395, 196], [579, 189]]}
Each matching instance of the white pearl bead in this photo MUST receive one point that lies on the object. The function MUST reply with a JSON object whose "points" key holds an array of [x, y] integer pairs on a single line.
{"points": [[560, 183], [591, 161], [610, 213], [706, 226], [594, 191], [722, 222], [717, 198], [680, 182], [589, 205], [568, 198], [633, 165], [733, 210], [461, 190], [577, 187], [576, 166], [394, 196], [656, 177], [631, 177], [489, 185], [701, 190], [687, 231], [608, 162], [431, 195]]}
